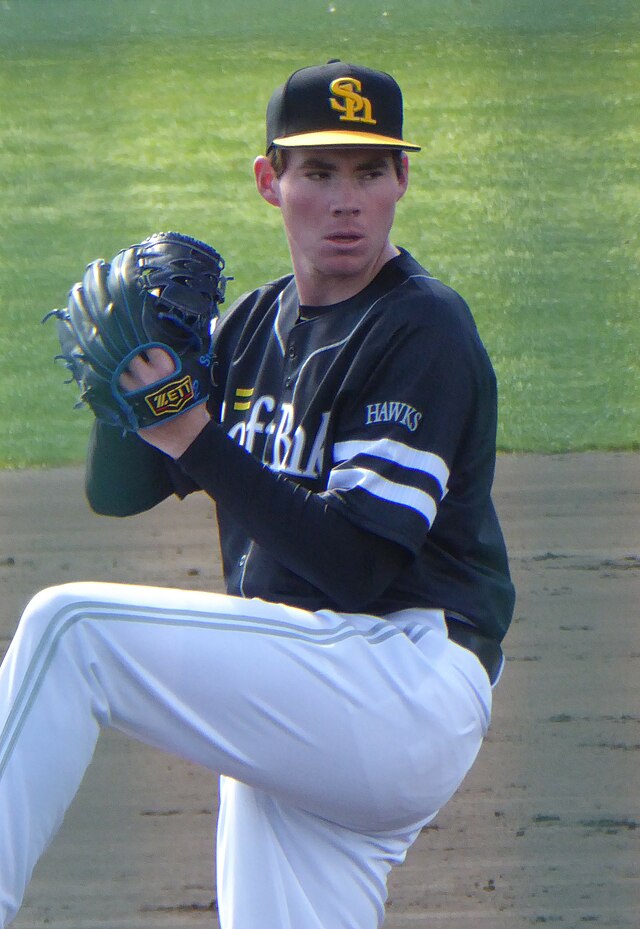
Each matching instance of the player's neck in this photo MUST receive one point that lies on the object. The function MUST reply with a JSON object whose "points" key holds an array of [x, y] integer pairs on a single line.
{"points": [[318, 287]]}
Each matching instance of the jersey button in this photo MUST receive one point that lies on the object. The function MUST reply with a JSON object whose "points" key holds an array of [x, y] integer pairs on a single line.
{"points": [[292, 351]]}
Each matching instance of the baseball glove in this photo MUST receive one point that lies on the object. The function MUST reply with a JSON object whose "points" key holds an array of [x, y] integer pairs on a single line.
{"points": [[162, 293]]}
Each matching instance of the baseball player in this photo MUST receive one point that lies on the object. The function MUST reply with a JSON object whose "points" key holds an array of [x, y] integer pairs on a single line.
{"points": [[343, 685]]}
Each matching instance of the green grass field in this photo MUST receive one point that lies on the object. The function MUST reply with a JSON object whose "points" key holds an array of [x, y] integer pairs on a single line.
{"points": [[123, 117]]}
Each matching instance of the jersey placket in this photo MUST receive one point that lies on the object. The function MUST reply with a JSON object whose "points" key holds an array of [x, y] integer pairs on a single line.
{"points": [[281, 427]]}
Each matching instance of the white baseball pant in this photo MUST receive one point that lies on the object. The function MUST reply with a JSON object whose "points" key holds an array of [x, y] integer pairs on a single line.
{"points": [[337, 736]]}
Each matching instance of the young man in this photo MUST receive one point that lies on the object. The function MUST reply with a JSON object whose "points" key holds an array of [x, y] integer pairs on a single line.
{"points": [[342, 687]]}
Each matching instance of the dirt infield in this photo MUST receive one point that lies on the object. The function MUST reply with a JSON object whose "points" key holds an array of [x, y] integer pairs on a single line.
{"points": [[545, 830]]}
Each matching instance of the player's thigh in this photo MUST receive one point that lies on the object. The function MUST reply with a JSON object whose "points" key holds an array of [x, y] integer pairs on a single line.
{"points": [[340, 715], [250, 689]]}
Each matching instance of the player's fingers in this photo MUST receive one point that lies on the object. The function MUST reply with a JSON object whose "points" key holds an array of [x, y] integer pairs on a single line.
{"points": [[161, 361], [148, 367]]}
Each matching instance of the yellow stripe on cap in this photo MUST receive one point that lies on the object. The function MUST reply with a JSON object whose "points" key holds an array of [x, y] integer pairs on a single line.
{"points": [[341, 137]]}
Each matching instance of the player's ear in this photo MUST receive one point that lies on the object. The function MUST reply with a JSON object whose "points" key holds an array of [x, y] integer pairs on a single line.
{"points": [[266, 180]]}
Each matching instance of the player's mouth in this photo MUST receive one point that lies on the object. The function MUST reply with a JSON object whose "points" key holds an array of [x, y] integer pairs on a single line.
{"points": [[344, 238]]}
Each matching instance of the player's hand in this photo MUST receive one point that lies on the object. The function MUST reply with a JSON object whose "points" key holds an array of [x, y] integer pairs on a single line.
{"points": [[175, 436], [147, 368]]}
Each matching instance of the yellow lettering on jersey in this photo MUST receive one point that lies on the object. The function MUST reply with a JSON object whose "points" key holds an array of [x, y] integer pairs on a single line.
{"points": [[354, 107]]}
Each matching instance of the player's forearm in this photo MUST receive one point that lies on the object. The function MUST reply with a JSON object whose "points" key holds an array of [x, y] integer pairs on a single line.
{"points": [[124, 475], [297, 527]]}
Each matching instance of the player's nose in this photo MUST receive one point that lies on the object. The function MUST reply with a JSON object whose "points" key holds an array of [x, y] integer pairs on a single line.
{"points": [[346, 200], [346, 211]]}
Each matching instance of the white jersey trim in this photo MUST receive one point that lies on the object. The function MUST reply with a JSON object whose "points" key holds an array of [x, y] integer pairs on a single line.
{"points": [[276, 329], [399, 453], [372, 483]]}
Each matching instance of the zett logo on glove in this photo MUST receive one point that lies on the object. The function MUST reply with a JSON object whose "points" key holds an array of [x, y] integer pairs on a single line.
{"points": [[171, 398]]}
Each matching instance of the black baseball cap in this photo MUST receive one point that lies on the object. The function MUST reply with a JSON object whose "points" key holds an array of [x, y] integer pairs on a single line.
{"points": [[337, 104]]}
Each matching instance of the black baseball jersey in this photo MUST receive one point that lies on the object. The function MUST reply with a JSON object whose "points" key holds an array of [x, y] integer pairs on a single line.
{"points": [[385, 406]]}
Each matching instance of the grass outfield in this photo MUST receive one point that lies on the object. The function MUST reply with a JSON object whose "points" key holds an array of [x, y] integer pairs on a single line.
{"points": [[124, 117]]}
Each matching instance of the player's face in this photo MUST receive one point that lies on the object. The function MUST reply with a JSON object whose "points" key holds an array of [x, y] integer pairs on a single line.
{"points": [[338, 207]]}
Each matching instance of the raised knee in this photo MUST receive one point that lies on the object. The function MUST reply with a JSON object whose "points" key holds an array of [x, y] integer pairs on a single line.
{"points": [[51, 599], [51, 603]]}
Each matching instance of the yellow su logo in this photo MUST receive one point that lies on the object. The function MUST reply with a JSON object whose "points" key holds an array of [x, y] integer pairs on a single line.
{"points": [[354, 107]]}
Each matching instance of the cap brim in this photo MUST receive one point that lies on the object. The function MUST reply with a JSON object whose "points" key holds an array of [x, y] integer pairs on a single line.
{"points": [[331, 138]]}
